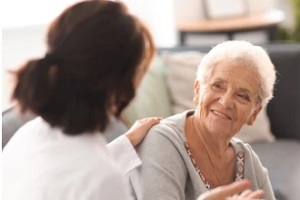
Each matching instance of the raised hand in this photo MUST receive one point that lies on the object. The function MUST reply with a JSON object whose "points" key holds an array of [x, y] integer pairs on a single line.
{"points": [[239, 190]]}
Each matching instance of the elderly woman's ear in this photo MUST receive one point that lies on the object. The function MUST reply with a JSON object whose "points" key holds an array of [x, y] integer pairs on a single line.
{"points": [[196, 91], [253, 116]]}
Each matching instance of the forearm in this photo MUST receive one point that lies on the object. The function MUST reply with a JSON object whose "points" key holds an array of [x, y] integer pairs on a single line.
{"points": [[124, 153]]}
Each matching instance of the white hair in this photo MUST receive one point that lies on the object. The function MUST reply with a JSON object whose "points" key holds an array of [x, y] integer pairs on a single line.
{"points": [[246, 53]]}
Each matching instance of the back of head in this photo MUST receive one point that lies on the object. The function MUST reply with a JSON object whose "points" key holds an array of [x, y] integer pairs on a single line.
{"points": [[95, 49], [248, 55]]}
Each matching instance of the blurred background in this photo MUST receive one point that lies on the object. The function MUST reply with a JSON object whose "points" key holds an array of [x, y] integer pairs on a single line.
{"points": [[172, 23]]}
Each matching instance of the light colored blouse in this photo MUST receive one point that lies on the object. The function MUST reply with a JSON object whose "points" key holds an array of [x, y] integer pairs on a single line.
{"points": [[42, 163]]}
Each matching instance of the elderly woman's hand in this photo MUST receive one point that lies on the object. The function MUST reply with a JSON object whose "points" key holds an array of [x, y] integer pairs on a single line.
{"points": [[239, 190], [139, 129]]}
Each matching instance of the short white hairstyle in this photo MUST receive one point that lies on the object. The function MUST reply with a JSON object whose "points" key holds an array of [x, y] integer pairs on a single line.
{"points": [[246, 53]]}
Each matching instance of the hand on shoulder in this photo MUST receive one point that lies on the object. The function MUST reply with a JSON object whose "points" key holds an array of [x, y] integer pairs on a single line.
{"points": [[140, 128]]}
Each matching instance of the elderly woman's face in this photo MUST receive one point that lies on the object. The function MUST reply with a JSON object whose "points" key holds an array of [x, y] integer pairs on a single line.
{"points": [[229, 98]]}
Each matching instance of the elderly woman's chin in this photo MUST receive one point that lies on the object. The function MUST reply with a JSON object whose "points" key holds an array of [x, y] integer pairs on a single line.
{"points": [[221, 125]]}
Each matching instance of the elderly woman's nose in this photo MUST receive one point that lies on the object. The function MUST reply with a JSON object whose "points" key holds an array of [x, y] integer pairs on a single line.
{"points": [[226, 100]]}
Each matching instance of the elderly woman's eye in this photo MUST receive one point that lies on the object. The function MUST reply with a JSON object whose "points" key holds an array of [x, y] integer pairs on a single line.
{"points": [[217, 86], [244, 97]]}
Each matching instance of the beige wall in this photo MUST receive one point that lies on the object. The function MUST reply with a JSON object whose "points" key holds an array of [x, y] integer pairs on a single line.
{"points": [[21, 43], [194, 9]]}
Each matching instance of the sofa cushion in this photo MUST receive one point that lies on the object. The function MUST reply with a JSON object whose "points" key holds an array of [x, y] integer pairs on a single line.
{"points": [[284, 109], [282, 161], [259, 131], [12, 120], [152, 97], [181, 73]]}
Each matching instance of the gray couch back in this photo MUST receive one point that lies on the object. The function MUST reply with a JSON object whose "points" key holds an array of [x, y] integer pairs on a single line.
{"points": [[284, 109]]}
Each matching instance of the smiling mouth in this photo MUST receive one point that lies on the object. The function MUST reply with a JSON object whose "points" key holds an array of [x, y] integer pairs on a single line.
{"points": [[220, 114]]}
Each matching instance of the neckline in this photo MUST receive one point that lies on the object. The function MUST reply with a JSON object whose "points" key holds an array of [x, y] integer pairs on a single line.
{"points": [[239, 165]]}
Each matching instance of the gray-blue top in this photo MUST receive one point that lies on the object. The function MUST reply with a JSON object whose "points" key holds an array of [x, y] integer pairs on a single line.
{"points": [[167, 172]]}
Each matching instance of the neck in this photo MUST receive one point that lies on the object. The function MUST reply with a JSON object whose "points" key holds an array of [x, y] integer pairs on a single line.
{"points": [[213, 155], [212, 144]]}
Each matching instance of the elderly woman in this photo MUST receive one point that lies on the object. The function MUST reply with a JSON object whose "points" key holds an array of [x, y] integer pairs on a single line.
{"points": [[195, 151]]}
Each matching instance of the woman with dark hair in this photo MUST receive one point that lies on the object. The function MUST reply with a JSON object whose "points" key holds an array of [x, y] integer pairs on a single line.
{"points": [[97, 55], [89, 70]]}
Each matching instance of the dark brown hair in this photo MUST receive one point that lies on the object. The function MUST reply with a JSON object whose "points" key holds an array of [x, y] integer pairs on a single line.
{"points": [[95, 49]]}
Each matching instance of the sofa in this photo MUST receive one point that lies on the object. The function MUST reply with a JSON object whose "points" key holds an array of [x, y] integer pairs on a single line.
{"points": [[168, 89], [276, 137]]}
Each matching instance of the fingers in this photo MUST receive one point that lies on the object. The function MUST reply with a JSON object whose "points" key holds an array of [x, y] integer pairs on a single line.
{"points": [[225, 192], [247, 195], [150, 120], [235, 188], [139, 129], [146, 123], [256, 194]]}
